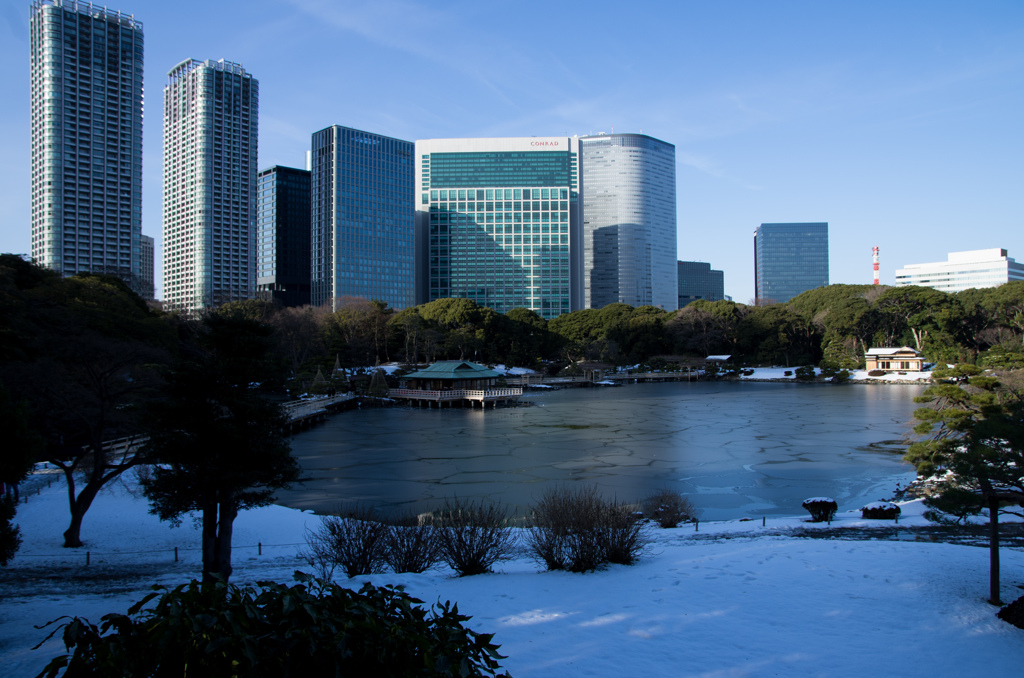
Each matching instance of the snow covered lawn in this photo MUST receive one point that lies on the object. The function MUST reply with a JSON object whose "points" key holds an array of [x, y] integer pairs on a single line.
{"points": [[739, 605]]}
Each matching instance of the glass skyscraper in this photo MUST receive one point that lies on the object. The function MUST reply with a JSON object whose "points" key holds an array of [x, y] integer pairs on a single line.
{"points": [[498, 222], [86, 80], [789, 259], [147, 267], [629, 221], [283, 235], [210, 131], [697, 280], [363, 238]]}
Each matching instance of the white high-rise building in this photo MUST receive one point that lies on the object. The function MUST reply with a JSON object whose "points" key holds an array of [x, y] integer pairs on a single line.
{"points": [[628, 188], [209, 212], [86, 71], [962, 271]]}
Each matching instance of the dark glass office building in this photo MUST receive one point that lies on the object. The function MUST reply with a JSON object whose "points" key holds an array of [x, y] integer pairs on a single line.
{"points": [[789, 259], [283, 235], [498, 222], [697, 280], [363, 238]]}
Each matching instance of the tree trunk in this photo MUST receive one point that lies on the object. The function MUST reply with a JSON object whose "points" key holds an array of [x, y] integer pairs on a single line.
{"points": [[993, 550], [218, 526], [209, 541], [79, 506]]}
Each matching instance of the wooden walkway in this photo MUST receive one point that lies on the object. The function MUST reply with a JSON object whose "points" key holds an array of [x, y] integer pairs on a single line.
{"points": [[456, 396]]}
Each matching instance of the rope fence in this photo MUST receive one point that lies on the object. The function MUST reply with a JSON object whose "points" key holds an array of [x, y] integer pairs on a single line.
{"points": [[173, 553]]}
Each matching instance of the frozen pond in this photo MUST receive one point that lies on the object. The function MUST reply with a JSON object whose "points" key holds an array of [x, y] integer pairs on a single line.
{"points": [[737, 449]]}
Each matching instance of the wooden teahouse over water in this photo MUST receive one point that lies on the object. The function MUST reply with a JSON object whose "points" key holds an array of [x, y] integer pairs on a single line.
{"points": [[451, 381]]}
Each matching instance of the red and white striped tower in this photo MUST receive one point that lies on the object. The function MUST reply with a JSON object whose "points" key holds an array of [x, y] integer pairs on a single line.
{"points": [[874, 259]]}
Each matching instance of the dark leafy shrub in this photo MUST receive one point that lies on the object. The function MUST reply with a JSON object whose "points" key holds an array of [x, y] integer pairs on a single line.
{"points": [[411, 544], [788, 373], [880, 510], [668, 508], [821, 508], [806, 373], [10, 535], [876, 373], [958, 502], [840, 377], [1013, 613], [474, 536], [308, 629], [623, 534], [355, 540]]}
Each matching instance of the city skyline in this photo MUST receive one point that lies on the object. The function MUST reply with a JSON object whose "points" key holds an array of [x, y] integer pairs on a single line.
{"points": [[897, 125]]}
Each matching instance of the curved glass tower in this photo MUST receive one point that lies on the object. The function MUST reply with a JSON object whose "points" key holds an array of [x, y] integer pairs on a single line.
{"points": [[628, 184]]}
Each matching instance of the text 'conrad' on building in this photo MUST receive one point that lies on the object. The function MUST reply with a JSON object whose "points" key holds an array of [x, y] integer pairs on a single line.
{"points": [[498, 222]]}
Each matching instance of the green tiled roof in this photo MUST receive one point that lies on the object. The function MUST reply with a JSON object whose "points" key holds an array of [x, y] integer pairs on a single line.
{"points": [[454, 369]]}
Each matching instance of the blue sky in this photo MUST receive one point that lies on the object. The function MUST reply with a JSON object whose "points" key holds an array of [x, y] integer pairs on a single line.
{"points": [[899, 123]]}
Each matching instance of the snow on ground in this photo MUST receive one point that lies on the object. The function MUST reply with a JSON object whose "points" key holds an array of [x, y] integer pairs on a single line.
{"points": [[761, 373], [514, 371], [738, 605]]}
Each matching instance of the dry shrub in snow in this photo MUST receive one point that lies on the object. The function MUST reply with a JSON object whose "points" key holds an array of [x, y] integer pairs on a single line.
{"points": [[576, 529], [563, 533], [624, 534], [822, 509], [880, 510], [474, 535], [411, 544], [668, 508], [353, 539]]}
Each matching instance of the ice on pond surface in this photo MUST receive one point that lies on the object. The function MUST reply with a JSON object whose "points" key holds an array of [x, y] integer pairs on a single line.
{"points": [[740, 449]]}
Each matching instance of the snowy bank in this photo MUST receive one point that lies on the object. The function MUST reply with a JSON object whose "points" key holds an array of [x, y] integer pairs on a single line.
{"points": [[755, 602]]}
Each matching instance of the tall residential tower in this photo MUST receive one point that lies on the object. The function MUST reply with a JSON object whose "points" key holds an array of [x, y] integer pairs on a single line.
{"points": [[498, 222], [86, 70], [363, 241], [209, 212], [628, 184], [789, 259]]}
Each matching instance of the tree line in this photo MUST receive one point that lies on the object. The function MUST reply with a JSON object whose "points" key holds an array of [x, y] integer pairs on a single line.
{"points": [[833, 325]]}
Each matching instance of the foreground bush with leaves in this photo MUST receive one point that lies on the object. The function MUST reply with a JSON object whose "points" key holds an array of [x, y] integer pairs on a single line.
{"points": [[309, 629]]}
